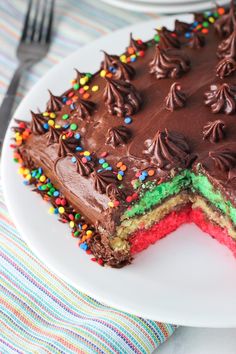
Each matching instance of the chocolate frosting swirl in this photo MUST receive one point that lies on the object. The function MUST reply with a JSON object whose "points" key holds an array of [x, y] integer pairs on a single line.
{"points": [[113, 192], [118, 135], [28, 161], [137, 45], [122, 71], [176, 98], [108, 61], [79, 75], [214, 131], [168, 39], [197, 41], [181, 27], [225, 67], [53, 135], [66, 146], [232, 174], [225, 24], [85, 108], [221, 98], [168, 150], [121, 98], [224, 159], [169, 63], [227, 48], [55, 103], [103, 179], [36, 125], [84, 169]]}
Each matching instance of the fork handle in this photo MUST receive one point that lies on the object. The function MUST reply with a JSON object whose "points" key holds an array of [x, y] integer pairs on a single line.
{"points": [[9, 98]]}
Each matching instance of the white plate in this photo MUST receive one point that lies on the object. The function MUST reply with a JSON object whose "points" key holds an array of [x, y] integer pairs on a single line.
{"points": [[161, 8], [187, 278]]}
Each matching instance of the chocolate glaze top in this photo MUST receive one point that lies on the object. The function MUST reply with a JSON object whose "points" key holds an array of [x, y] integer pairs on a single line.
{"points": [[87, 191]]}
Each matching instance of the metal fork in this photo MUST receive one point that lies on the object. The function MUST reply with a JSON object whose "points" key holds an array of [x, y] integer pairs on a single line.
{"points": [[33, 46]]}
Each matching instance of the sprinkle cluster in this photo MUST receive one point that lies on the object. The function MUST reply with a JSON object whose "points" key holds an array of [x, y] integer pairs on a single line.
{"points": [[103, 163], [22, 132], [59, 206], [209, 17], [82, 87]]}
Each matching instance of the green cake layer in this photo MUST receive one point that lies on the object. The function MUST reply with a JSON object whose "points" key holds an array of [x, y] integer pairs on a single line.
{"points": [[197, 183], [202, 185], [159, 192]]}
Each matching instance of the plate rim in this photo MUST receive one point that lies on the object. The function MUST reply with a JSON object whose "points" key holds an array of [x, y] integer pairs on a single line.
{"points": [[162, 8]]}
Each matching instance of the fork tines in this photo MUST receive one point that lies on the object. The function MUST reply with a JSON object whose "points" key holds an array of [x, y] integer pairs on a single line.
{"points": [[38, 21]]}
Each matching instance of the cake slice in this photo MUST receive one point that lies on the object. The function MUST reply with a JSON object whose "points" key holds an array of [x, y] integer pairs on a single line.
{"points": [[128, 154]]}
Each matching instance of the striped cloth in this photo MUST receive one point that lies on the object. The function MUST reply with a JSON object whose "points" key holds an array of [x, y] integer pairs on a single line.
{"points": [[40, 313]]}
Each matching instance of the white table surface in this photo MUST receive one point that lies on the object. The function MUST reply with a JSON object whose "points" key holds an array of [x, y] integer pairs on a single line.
{"points": [[188, 340]]}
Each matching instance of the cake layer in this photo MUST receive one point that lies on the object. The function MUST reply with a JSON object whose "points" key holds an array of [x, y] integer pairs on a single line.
{"points": [[214, 214], [186, 180], [129, 226], [142, 239], [172, 205], [203, 186], [153, 194]]}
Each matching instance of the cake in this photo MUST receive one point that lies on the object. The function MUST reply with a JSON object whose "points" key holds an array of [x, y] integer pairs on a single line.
{"points": [[128, 154]]}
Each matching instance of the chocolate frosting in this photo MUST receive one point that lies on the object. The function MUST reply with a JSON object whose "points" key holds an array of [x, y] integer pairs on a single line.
{"points": [[225, 24], [118, 135], [84, 108], [99, 246], [79, 75], [224, 159], [137, 45], [108, 61], [66, 146], [169, 63], [181, 27], [232, 174], [114, 192], [168, 39], [36, 125], [28, 162], [103, 179], [225, 67], [55, 103], [176, 98], [168, 149], [122, 71], [53, 135], [121, 98], [227, 48], [84, 169], [214, 131], [221, 98], [197, 41]]}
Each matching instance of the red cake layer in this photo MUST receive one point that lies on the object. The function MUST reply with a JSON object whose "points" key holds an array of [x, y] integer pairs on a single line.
{"points": [[217, 232], [143, 238]]}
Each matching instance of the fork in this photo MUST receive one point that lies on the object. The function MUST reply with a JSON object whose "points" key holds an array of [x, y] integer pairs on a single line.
{"points": [[33, 46]]}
